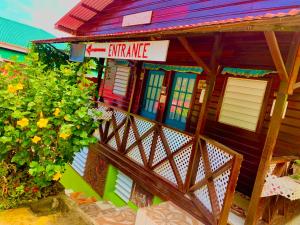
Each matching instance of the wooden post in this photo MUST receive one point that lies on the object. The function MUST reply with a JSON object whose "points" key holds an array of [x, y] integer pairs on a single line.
{"points": [[211, 79], [135, 75], [274, 126]]}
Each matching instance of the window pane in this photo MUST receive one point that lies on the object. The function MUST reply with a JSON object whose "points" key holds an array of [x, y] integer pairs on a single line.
{"points": [[181, 99], [161, 80], [172, 112], [175, 98], [156, 80], [151, 80], [150, 106], [187, 100], [184, 115], [149, 92], [184, 85], [158, 93], [191, 85], [153, 93], [178, 113], [178, 84]]}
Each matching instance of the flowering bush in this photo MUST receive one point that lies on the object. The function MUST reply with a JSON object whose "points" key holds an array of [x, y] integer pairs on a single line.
{"points": [[44, 119]]}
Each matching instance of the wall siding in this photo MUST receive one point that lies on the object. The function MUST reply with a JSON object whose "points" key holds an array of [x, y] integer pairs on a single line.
{"points": [[169, 13]]}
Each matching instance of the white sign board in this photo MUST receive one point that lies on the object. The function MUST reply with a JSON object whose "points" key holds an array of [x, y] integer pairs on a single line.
{"points": [[137, 19], [140, 50]]}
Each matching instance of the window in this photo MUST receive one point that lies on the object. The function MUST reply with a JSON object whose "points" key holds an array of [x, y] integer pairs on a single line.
{"points": [[121, 80], [79, 161], [123, 186], [242, 102]]}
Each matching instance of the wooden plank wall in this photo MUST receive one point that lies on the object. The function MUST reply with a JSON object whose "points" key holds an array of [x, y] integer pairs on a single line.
{"points": [[289, 136]]}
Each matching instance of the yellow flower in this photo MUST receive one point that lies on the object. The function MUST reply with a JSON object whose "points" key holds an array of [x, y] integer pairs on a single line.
{"points": [[64, 136], [57, 176], [36, 139], [11, 89], [67, 118], [42, 123], [56, 112], [23, 122], [19, 86]]}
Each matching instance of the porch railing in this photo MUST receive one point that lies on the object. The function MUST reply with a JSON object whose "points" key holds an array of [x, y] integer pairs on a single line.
{"points": [[203, 170]]}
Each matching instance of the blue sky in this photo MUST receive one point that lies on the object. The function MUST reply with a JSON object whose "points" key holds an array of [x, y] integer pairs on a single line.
{"points": [[38, 13]]}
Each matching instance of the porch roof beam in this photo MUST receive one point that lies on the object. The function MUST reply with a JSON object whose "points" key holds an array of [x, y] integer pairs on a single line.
{"points": [[194, 55], [276, 55]]}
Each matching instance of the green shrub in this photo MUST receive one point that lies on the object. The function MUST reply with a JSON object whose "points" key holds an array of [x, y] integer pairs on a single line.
{"points": [[44, 120]]}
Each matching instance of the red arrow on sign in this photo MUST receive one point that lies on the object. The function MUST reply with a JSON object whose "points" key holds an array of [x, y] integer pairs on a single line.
{"points": [[91, 49]]}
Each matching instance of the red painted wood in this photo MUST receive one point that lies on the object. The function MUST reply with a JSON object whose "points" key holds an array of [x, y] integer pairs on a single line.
{"points": [[171, 13]]}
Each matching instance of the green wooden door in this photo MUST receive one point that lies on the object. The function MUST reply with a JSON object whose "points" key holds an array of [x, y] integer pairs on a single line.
{"points": [[180, 100], [152, 94]]}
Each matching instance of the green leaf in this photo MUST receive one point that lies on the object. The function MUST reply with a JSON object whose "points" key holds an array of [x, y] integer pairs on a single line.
{"points": [[21, 158], [5, 140]]}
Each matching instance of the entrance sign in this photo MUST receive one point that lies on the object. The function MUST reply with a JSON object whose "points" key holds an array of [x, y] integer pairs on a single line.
{"points": [[140, 50]]}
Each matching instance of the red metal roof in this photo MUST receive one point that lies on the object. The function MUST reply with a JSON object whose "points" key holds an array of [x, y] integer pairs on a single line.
{"points": [[80, 14]]}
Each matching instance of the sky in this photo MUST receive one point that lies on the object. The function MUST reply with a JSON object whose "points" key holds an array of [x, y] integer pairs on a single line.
{"points": [[38, 13]]}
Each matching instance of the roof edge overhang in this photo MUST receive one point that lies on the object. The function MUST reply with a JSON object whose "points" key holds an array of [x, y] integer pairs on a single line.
{"points": [[285, 23], [81, 13], [13, 47]]}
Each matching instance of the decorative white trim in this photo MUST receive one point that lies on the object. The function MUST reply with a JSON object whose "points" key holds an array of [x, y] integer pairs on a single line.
{"points": [[13, 47]]}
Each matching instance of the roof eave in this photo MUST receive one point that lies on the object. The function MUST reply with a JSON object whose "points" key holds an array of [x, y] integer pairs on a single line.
{"points": [[286, 23], [13, 47]]}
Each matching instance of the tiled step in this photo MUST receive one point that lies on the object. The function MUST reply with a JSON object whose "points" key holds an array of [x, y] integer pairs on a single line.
{"points": [[103, 212]]}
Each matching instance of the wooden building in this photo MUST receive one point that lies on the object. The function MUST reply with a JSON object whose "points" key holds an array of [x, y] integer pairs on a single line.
{"points": [[226, 91]]}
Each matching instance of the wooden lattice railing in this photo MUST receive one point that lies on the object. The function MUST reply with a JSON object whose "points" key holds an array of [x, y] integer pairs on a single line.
{"points": [[204, 170]]}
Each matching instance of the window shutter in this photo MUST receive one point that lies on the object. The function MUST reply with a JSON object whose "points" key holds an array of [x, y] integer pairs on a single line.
{"points": [[242, 102], [121, 80], [123, 186], [79, 161]]}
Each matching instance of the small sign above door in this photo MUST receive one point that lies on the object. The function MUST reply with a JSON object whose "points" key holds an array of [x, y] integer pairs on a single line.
{"points": [[137, 19], [139, 50]]}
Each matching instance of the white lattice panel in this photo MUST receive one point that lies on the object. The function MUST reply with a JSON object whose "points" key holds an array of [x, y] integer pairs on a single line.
{"points": [[113, 143], [160, 152], [143, 126], [217, 157], [203, 196], [182, 160], [221, 183], [131, 138], [201, 171], [165, 171], [120, 116], [135, 155], [175, 139], [147, 143]]}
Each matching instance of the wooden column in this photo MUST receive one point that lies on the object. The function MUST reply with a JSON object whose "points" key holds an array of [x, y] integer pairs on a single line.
{"points": [[211, 72], [136, 71], [274, 126]]}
